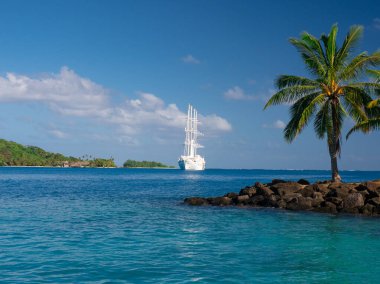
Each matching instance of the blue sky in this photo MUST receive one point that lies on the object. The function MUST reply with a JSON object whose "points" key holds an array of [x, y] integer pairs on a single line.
{"points": [[113, 78]]}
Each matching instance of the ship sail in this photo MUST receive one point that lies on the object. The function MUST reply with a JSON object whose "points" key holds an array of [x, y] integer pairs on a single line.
{"points": [[190, 160]]}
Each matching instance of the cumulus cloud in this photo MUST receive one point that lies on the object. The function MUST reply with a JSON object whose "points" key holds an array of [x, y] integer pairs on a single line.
{"points": [[71, 95], [65, 92], [237, 93], [190, 59], [279, 124]]}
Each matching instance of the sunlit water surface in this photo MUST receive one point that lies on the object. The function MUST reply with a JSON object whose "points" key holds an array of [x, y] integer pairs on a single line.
{"points": [[130, 226]]}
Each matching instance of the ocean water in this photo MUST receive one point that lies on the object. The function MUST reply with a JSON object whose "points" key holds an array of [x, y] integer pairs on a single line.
{"points": [[130, 226]]}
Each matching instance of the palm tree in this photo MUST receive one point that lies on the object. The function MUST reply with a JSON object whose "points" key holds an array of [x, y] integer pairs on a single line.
{"points": [[332, 92], [373, 122]]}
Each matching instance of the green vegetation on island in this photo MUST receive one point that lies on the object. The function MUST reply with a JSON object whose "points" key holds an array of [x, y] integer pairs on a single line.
{"points": [[337, 88], [144, 164], [14, 154]]}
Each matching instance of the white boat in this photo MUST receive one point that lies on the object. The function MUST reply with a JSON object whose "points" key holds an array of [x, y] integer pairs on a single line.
{"points": [[190, 160]]}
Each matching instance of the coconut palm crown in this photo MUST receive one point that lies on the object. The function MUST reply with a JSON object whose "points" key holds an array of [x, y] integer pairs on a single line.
{"points": [[332, 92]]}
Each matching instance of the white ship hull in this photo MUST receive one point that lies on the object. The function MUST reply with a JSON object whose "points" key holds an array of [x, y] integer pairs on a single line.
{"points": [[189, 163]]}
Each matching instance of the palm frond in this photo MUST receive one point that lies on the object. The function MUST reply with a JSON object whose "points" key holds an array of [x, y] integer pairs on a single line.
{"points": [[290, 94], [351, 40], [301, 113], [331, 45], [322, 121], [375, 74], [359, 64], [312, 60], [365, 126], [284, 81]]}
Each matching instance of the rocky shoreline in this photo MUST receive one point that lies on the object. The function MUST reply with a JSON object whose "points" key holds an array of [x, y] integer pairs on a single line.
{"points": [[326, 197]]}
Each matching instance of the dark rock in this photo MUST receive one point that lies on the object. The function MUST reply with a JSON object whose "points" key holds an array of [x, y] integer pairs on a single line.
{"points": [[231, 195], [364, 193], [300, 203], [270, 201], [303, 182], [342, 190], [368, 209], [242, 199], [283, 189], [250, 191], [322, 188], [221, 201], [196, 201], [291, 197], [281, 203], [336, 200], [276, 181], [340, 185], [372, 185], [307, 191], [317, 199], [353, 200], [327, 207], [375, 201], [256, 200], [265, 191]]}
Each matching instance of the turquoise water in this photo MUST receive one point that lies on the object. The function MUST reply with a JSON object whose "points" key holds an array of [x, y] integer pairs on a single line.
{"points": [[129, 226]]}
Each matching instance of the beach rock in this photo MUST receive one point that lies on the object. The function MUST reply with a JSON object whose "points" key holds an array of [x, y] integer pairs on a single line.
{"points": [[336, 200], [375, 201], [221, 201], [291, 197], [270, 201], [276, 181], [368, 209], [328, 197], [307, 191], [364, 193], [317, 199], [327, 207], [231, 195], [283, 189], [300, 203], [353, 200], [265, 191], [372, 185], [196, 201], [257, 200], [342, 190], [303, 181], [242, 199], [322, 188], [249, 190]]}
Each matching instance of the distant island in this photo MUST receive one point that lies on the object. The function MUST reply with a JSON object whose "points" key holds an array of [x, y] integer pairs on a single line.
{"points": [[144, 164], [14, 154]]}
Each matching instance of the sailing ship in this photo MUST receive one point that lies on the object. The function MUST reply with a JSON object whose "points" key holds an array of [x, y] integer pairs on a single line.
{"points": [[190, 160]]}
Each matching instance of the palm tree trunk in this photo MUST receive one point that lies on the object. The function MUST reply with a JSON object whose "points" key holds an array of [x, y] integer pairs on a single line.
{"points": [[335, 177], [333, 143]]}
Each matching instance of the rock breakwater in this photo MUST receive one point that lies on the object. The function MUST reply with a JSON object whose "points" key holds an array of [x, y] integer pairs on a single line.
{"points": [[327, 197]]}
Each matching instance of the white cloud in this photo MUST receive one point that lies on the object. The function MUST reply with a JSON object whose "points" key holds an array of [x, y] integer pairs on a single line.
{"points": [[71, 95], [58, 133], [236, 93], [376, 23], [279, 124], [190, 59], [65, 92]]}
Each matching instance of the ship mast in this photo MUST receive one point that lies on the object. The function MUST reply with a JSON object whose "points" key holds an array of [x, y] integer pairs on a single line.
{"points": [[191, 141]]}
